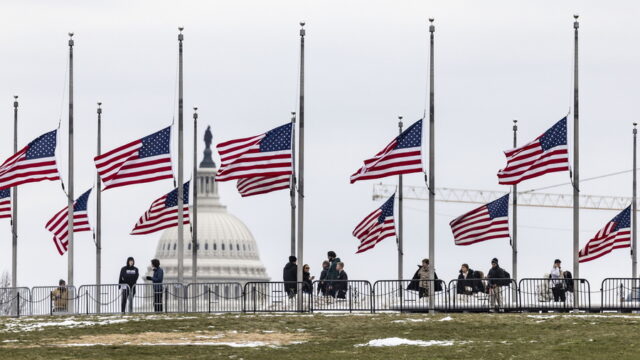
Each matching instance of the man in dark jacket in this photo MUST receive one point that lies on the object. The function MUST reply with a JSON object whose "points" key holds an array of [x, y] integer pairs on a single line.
{"points": [[322, 285], [495, 286], [128, 276], [290, 276], [156, 279], [332, 272], [341, 284], [467, 283]]}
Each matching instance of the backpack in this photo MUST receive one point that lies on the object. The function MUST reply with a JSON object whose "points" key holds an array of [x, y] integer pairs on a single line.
{"points": [[506, 281]]}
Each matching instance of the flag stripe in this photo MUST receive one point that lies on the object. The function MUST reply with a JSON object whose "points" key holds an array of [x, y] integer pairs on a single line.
{"points": [[35, 162]]}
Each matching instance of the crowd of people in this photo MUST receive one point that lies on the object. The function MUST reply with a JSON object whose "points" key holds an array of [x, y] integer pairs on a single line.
{"points": [[332, 281]]}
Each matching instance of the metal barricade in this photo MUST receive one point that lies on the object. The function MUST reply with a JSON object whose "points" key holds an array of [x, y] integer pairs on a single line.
{"points": [[276, 297], [342, 295], [103, 299], [215, 297], [409, 295], [482, 295], [169, 297], [542, 294], [14, 301], [620, 294], [53, 300]]}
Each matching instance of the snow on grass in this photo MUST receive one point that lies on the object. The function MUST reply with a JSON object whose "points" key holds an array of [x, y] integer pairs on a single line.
{"points": [[20, 326], [410, 320], [394, 341], [448, 318]]}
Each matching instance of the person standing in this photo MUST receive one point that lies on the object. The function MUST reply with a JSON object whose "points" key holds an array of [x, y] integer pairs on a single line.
{"points": [[322, 285], [557, 282], [156, 279], [332, 272], [60, 297], [290, 276], [129, 277], [342, 282], [495, 276], [307, 279]]}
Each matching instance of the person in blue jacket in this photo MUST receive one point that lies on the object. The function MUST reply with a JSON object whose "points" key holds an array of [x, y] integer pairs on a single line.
{"points": [[156, 279]]}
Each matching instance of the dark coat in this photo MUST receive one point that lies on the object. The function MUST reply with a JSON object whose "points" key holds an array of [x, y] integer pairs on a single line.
{"points": [[473, 281], [307, 285], [496, 273], [415, 281], [128, 275], [332, 273], [157, 278], [341, 285], [290, 276], [322, 285]]}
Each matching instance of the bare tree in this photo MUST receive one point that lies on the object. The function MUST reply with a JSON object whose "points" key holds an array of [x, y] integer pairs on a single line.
{"points": [[5, 294]]}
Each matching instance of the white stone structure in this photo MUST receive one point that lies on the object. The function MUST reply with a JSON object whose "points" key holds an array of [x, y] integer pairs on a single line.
{"points": [[227, 250]]}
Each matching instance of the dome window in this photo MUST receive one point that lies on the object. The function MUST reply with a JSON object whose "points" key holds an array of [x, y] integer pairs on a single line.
{"points": [[238, 247], [206, 246], [215, 246], [175, 245], [223, 247], [189, 246]]}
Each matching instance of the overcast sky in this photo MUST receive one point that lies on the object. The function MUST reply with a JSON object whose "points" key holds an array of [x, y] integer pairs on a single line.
{"points": [[366, 64]]}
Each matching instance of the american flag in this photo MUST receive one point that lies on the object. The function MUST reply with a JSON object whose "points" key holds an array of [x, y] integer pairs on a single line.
{"points": [[615, 235], [59, 225], [546, 154], [402, 156], [490, 221], [163, 213], [265, 155], [376, 227], [262, 184], [141, 161], [35, 162], [5, 203]]}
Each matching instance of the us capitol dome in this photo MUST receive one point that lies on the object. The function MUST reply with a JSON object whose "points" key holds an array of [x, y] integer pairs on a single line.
{"points": [[227, 251]]}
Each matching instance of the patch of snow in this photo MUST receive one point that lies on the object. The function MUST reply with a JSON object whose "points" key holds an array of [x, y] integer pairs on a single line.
{"points": [[69, 323], [9, 341], [411, 320], [542, 316], [448, 318], [399, 341]]}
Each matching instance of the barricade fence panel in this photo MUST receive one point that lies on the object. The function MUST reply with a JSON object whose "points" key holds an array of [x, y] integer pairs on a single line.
{"points": [[620, 294], [167, 297], [545, 294], [14, 301], [277, 297], [53, 300], [215, 297], [482, 295], [409, 295], [340, 295], [104, 299]]}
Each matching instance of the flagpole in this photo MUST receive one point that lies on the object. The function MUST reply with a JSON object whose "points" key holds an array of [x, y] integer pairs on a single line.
{"points": [[99, 212], [576, 161], [301, 172], [432, 252], [514, 238], [180, 170], [400, 216], [14, 203], [70, 179], [194, 186], [634, 230], [292, 185]]}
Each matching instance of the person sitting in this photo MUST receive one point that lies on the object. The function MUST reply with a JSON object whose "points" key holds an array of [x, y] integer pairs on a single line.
{"points": [[467, 283]]}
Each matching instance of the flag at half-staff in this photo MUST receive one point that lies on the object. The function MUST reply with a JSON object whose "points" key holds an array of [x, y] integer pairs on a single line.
{"points": [[546, 154], [163, 213], [487, 222], [58, 225], [261, 163], [376, 227], [34, 162], [402, 156], [616, 234], [141, 161], [5, 204]]}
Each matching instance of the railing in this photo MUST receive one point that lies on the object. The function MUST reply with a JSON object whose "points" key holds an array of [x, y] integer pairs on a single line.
{"points": [[482, 295], [409, 295], [341, 295], [14, 301], [620, 294], [215, 297], [473, 295], [276, 297], [104, 299], [554, 294], [53, 300]]}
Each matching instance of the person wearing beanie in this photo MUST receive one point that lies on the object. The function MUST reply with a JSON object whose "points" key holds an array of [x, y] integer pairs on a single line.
{"points": [[495, 285], [557, 282], [127, 280], [290, 276]]}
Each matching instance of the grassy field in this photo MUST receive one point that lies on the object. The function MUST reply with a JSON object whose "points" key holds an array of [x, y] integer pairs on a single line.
{"points": [[322, 336]]}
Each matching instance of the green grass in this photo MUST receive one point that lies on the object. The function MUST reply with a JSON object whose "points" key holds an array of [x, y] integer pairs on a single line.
{"points": [[476, 336]]}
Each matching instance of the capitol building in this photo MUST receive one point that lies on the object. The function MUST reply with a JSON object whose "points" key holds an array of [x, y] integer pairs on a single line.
{"points": [[227, 251]]}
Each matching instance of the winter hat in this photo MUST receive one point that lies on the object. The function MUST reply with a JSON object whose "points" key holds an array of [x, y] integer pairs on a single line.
{"points": [[494, 261]]}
